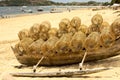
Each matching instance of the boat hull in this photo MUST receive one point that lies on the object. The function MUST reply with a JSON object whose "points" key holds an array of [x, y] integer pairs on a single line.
{"points": [[68, 58]]}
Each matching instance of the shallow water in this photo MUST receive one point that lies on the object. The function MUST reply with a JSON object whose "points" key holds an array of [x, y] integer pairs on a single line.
{"points": [[13, 10]]}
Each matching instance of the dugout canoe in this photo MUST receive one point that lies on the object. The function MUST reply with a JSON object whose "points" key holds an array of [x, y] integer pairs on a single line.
{"points": [[68, 58]]}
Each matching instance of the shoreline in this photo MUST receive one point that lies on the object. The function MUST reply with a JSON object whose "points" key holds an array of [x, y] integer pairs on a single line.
{"points": [[4, 16], [19, 15]]}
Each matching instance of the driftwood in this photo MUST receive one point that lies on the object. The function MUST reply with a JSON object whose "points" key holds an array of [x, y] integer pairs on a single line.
{"points": [[68, 58], [60, 73]]}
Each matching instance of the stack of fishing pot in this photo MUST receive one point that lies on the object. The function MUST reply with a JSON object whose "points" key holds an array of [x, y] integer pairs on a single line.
{"points": [[69, 42]]}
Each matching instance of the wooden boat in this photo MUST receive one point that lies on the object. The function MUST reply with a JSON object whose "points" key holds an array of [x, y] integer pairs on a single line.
{"points": [[27, 11], [67, 58], [56, 10], [39, 9]]}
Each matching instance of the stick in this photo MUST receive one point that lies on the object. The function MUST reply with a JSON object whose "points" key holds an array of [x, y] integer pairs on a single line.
{"points": [[34, 67], [60, 73], [81, 64]]}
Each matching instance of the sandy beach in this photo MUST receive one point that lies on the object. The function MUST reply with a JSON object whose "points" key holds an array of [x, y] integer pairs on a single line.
{"points": [[9, 28]]}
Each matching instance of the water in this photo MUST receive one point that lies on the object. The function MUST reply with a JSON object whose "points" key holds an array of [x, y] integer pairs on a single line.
{"points": [[18, 9], [15, 10]]}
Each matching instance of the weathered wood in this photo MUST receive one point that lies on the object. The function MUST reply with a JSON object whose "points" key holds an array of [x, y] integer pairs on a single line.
{"points": [[68, 58], [59, 73]]}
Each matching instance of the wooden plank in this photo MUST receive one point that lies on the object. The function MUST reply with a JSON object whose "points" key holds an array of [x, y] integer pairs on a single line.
{"points": [[60, 73]]}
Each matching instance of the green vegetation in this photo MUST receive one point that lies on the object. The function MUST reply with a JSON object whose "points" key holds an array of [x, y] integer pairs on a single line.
{"points": [[14, 2], [115, 1], [47, 3], [106, 3]]}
